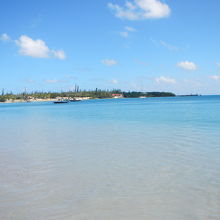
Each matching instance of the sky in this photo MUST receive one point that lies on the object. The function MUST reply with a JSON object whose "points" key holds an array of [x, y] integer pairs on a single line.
{"points": [[141, 45]]}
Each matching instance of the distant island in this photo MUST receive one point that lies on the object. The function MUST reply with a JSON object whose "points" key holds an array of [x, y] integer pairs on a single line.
{"points": [[189, 95], [78, 94]]}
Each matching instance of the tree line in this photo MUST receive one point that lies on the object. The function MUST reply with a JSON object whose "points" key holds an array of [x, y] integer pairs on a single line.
{"points": [[97, 93]]}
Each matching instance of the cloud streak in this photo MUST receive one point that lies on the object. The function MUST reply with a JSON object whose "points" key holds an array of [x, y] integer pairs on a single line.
{"points": [[53, 81], [164, 79], [60, 54], [113, 81], [168, 46], [124, 34], [109, 62], [126, 31], [5, 37], [215, 77]]}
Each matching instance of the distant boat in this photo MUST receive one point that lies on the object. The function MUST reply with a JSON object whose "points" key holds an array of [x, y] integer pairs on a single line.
{"points": [[74, 100], [61, 101]]}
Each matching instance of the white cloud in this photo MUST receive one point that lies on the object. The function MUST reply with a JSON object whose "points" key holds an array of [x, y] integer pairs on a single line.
{"points": [[130, 5], [33, 48], [124, 34], [37, 48], [141, 9], [215, 77], [164, 79], [218, 64], [109, 62], [120, 12], [187, 65], [114, 81], [5, 37], [60, 54]]}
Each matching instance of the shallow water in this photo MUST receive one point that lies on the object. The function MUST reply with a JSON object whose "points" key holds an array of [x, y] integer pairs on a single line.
{"points": [[156, 158]]}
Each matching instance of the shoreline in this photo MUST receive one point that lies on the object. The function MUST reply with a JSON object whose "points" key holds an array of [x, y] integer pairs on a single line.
{"points": [[46, 100], [42, 100], [82, 98], [27, 101]]}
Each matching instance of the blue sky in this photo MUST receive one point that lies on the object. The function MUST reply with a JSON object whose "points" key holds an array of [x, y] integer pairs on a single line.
{"points": [[146, 45]]}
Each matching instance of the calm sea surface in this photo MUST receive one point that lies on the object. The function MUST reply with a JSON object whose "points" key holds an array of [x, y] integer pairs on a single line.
{"points": [[120, 159]]}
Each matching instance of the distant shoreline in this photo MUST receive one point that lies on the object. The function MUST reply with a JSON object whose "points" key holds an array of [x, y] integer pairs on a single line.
{"points": [[84, 98], [78, 95], [26, 101]]}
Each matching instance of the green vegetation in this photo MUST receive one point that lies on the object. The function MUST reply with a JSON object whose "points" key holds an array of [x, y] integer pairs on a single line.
{"points": [[147, 94], [93, 94], [2, 99]]}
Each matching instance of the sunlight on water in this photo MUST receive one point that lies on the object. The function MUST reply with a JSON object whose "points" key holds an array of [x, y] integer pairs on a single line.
{"points": [[111, 159]]}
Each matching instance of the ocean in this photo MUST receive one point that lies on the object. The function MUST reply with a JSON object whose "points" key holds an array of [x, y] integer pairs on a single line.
{"points": [[112, 159]]}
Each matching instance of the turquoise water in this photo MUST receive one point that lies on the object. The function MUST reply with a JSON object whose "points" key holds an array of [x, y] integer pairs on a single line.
{"points": [[156, 159]]}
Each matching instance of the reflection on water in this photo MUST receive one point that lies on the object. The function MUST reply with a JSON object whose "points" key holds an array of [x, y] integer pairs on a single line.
{"points": [[111, 159]]}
